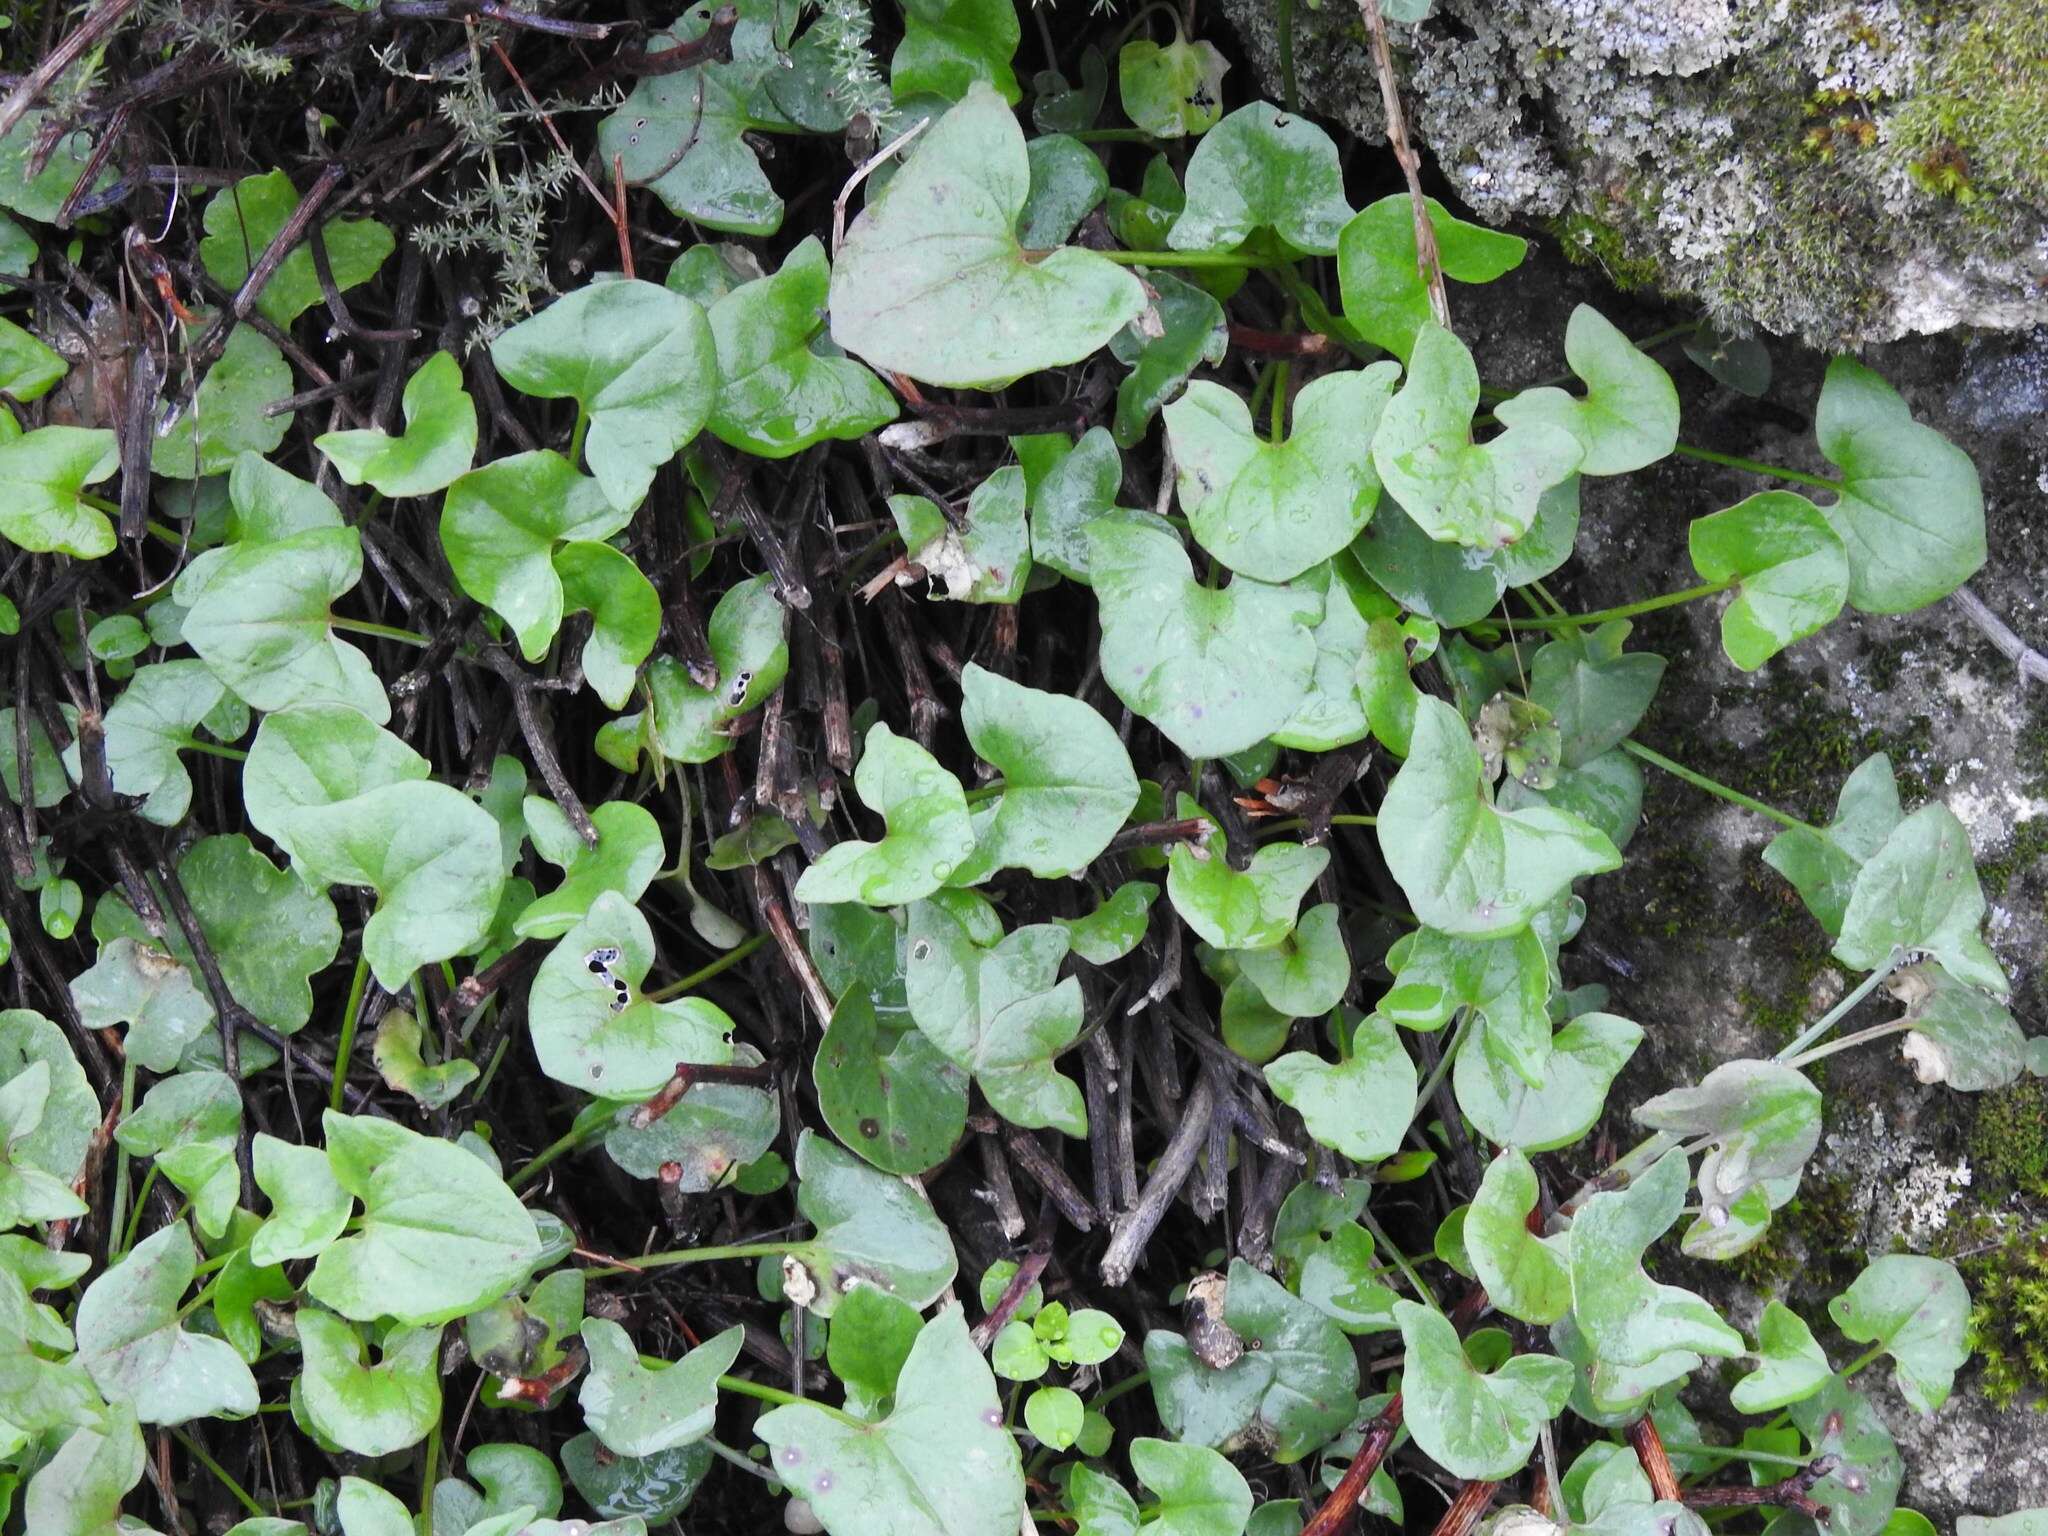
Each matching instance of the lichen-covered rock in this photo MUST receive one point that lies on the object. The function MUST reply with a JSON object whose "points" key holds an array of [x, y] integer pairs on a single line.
{"points": [[1843, 170]]}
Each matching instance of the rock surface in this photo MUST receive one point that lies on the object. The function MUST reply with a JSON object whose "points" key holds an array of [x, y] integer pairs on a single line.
{"points": [[1842, 170], [1711, 951]]}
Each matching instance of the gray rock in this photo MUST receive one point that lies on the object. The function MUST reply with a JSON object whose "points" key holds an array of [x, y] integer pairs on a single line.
{"points": [[1846, 171]]}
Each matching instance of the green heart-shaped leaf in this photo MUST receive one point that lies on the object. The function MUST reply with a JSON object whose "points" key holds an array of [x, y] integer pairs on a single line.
{"points": [[1385, 298], [1171, 90], [27, 1193], [1199, 1493], [229, 416], [146, 989], [932, 283], [1191, 331], [1526, 1276], [616, 1044], [43, 476], [1216, 670], [243, 219], [776, 394], [1360, 1106], [1920, 891], [501, 526], [1270, 510], [1078, 486], [1467, 867], [1628, 418], [1306, 973], [950, 46], [640, 363], [28, 369], [370, 1410], [148, 725], [637, 1411], [1295, 1385], [1473, 1425], [684, 723], [1252, 908], [1919, 1310], [987, 557], [1823, 863], [628, 855], [884, 1087], [1481, 494], [941, 1464], [1788, 565], [1594, 690], [308, 1206], [1626, 1316], [1791, 1366], [78, 1492], [929, 834], [439, 1235], [1763, 1119], [191, 1124], [872, 1230], [1067, 780], [1585, 1057], [716, 1129], [398, 1052], [1962, 1036], [436, 448], [69, 1115], [1507, 982], [1262, 168], [132, 1344], [1116, 926], [1001, 1012], [1911, 511]]}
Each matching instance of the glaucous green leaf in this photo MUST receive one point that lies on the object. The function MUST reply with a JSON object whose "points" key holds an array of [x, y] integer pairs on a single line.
{"points": [[241, 221], [777, 395], [78, 1491], [1270, 510], [1216, 671], [628, 854], [439, 1234], [1078, 487], [1626, 1316], [641, 1411], [1001, 1012], [1525, 1275], [148, 990], [1919, 891], [1116, 926], [1606, 793], [1959, 1035], [1594, 690], [685, 723], [502, 525], [1172, 90], [398, 1051], [1294, 1386], [370, 1410], [871, 1338], [1628, 417], [148, 725], [950, 46], [131, 1342], [1919, 1310], [191, 1124], [1790, 1365], [682, 135], [1823, 863], [1067, 182], [1911, 511], [227, 418], [1262, 168], [29, 1194], [1863, 1486], [1198, 1493], [1466, 867], [1251, 908], [928, 832], [594, 1029], [1484, 495], [634, 1490], [47, 782], [941, 1464], [1763, 1119], [986, 557], [932, 282], [1360, 1106], [70, 1113], [1506, 981], [1789, 569], [1444, 583], [1191, 331], [1307, 972], [638, 360], [1385, 298], [28, 369], [436, 448], [1585, 1057], [308, 1206], [260, 619], [872, 1230], [696, 1147], [884, 1087], [1474, 1425], [43, 476]]}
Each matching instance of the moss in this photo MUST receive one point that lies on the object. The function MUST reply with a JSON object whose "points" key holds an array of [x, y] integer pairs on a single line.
{"points": [[2009, 1141], [1976, 127], [2009, 1321], [2026, 853], [1591, 242]]}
